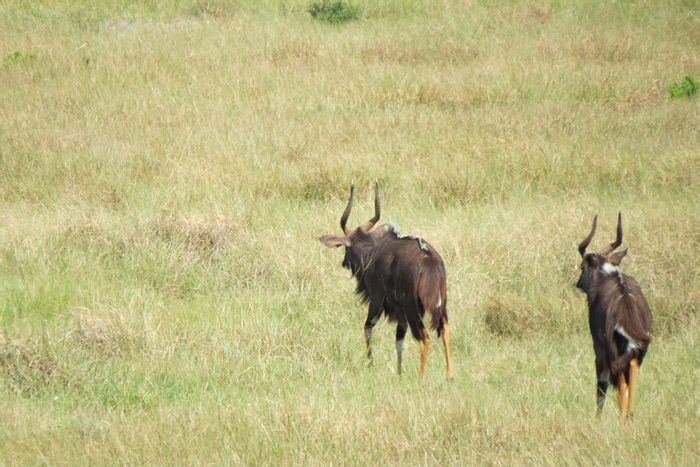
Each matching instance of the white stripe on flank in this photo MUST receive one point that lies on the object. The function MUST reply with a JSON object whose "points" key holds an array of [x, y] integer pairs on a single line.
{"points": [[632, 343]]}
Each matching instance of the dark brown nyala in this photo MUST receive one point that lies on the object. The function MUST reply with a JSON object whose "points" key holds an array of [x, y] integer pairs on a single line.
{"points": [[619, 319], [399, 276]]}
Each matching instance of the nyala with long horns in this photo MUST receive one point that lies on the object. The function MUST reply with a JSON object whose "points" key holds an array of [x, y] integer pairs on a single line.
{"points": [[400, 277], [619, 318]]}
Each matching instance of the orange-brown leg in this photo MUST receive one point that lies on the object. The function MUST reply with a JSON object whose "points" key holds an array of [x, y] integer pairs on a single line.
{"points": [[446, 342], [623, 396], [424, 347], [634, 368]]}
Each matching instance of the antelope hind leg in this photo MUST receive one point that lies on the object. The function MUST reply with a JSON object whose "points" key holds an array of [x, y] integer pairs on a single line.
{"points": [[446, 343]]}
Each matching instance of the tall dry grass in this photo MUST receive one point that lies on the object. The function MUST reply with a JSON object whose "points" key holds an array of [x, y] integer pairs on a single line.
{"points": [[166, 169]]}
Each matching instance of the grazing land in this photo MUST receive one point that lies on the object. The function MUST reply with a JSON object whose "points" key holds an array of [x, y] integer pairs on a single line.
{"points": [[166, 169]]}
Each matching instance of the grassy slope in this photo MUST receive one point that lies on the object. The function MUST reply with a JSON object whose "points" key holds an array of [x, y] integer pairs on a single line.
{"points": [[164, 174]]}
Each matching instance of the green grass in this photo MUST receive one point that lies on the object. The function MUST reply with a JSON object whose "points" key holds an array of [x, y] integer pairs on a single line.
{"points": [[687, 88], [166, 170], [334, 12]]}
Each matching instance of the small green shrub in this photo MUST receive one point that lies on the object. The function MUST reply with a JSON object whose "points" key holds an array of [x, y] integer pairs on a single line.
{"points": [[334, 12], [20, 57], [686, 88]]}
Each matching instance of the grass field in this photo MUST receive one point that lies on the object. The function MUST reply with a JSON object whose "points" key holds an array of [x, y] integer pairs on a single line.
{"points": [[166, 169]]}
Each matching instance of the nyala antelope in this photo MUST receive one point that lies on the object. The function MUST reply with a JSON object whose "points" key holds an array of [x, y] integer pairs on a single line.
{"points": [[399, 276], [619, 319]]}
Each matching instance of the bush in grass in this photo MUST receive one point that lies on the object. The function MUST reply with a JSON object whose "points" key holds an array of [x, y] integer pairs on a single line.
{"points": [[334, 12], [20, 57], [686, 88]]}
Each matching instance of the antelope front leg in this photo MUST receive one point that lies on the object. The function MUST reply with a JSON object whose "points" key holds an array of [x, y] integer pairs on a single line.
{"points": [[373, 315], [400, 336], [368, 341], [601, 388], [602, 384]]}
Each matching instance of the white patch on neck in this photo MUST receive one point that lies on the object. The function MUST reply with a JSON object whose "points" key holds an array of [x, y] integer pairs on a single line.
{"points": [[632, 343], [610, 269]]}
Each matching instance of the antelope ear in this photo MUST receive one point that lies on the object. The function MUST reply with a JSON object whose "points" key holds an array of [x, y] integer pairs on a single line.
{"points": [[333, 241], [616, 258]]}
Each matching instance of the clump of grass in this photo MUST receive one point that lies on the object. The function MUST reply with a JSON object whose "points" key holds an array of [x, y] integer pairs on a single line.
{"points": [[687, 88], [215, 8], [201, 238], [334, 12], [20, 57], [29, 368], [509, 315], [110, 336]]}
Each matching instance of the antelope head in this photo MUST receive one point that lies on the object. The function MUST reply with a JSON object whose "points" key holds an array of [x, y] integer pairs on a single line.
{"points": [[352, 238], [596, 265]]}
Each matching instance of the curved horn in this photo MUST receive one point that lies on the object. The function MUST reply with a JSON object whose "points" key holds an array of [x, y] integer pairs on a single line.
{"points": [[584, 244], [346, 213], [367, 226], [618, 238]]}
